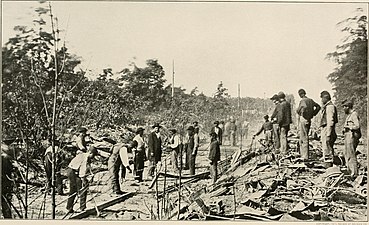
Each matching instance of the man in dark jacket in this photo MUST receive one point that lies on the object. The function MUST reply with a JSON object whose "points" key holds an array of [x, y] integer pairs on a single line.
{"points": [[306, 111], [214, 156], [190, 149], [218, 131], [276, 128], [284, 119], [154, 145]]}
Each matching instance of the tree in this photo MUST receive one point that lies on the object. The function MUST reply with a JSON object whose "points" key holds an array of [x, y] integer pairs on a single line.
{"points": [[349, 79]]}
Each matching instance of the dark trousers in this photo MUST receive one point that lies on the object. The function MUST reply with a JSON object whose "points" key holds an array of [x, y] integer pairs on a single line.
{"points": [[139, 164], [76, 184], [6, 205], [214, 171], [192, 160], [276, 136], [48, 169], [114, 165]]}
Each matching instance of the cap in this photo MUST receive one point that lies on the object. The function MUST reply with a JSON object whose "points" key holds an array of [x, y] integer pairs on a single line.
{"points": [[191, 128], [140, 129], [174, 130], [216, 122], [281, 94], [266, 117], [82, 130], [274, 97], [302, 91]]}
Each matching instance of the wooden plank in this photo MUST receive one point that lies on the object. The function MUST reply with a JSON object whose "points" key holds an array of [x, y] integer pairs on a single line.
{"points": [[171, 175], [92, 211]]}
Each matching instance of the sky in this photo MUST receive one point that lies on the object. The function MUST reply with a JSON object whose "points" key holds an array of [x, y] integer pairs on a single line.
{"points": [[264, 47]]}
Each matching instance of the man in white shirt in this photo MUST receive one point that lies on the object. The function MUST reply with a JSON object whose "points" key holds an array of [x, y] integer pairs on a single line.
{"points": [[77, 174], [174, 144], [138, 147], [352, 135]]}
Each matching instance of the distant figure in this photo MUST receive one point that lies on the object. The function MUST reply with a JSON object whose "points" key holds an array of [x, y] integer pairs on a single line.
{"points": [[284, 121], [267, 127], [216, 129], [274, 120], [245, 129], [214, 156], [328, 123], [155, 148], [306, 110], [78, 170], [352, 133], [232, 132], [196, 125], [226, 131]]}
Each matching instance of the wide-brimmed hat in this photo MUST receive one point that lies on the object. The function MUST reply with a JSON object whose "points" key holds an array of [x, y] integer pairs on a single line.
{"points": [[274, 97], [266, 117], [174, 130], [281, 94], [216, 122], [156, 125]]}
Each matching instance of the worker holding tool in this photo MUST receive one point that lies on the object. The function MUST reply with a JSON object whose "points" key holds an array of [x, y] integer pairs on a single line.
{"points": [[77, 172], [267, 127]]}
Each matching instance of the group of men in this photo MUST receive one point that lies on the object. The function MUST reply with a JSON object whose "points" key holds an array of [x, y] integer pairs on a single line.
{"points": [[276, 130]]}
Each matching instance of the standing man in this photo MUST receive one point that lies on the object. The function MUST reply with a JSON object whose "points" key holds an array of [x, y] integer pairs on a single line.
{"points": [[114, 166], [138, 146], [154, 144], [232, 132], [245, 128], [306, 111], [190, 148], [214, 156], [328, 123], [48, 167], [284, 121], [274, 120], [219, 132], [77, 174], [267, 127], [174, 145], [352, 133], [196, 125]]}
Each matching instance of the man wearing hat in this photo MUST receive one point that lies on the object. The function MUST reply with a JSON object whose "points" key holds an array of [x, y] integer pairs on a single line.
{"points": [[138, 146], [352, 134], [274, 119], [48, 167], [284, 121], [214, 156], [267, 127], [81, 140], [219, 132], [306, 110], [174, 145], [154, 145], [232, 132], [77, 173], [328, 123], [190, 149]]}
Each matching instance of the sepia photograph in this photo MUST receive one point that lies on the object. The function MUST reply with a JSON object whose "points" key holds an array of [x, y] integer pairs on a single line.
{"points": [[184, 111]]}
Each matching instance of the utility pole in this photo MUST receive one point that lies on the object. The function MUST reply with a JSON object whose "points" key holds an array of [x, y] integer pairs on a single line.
{"points": [[173, 83]]}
